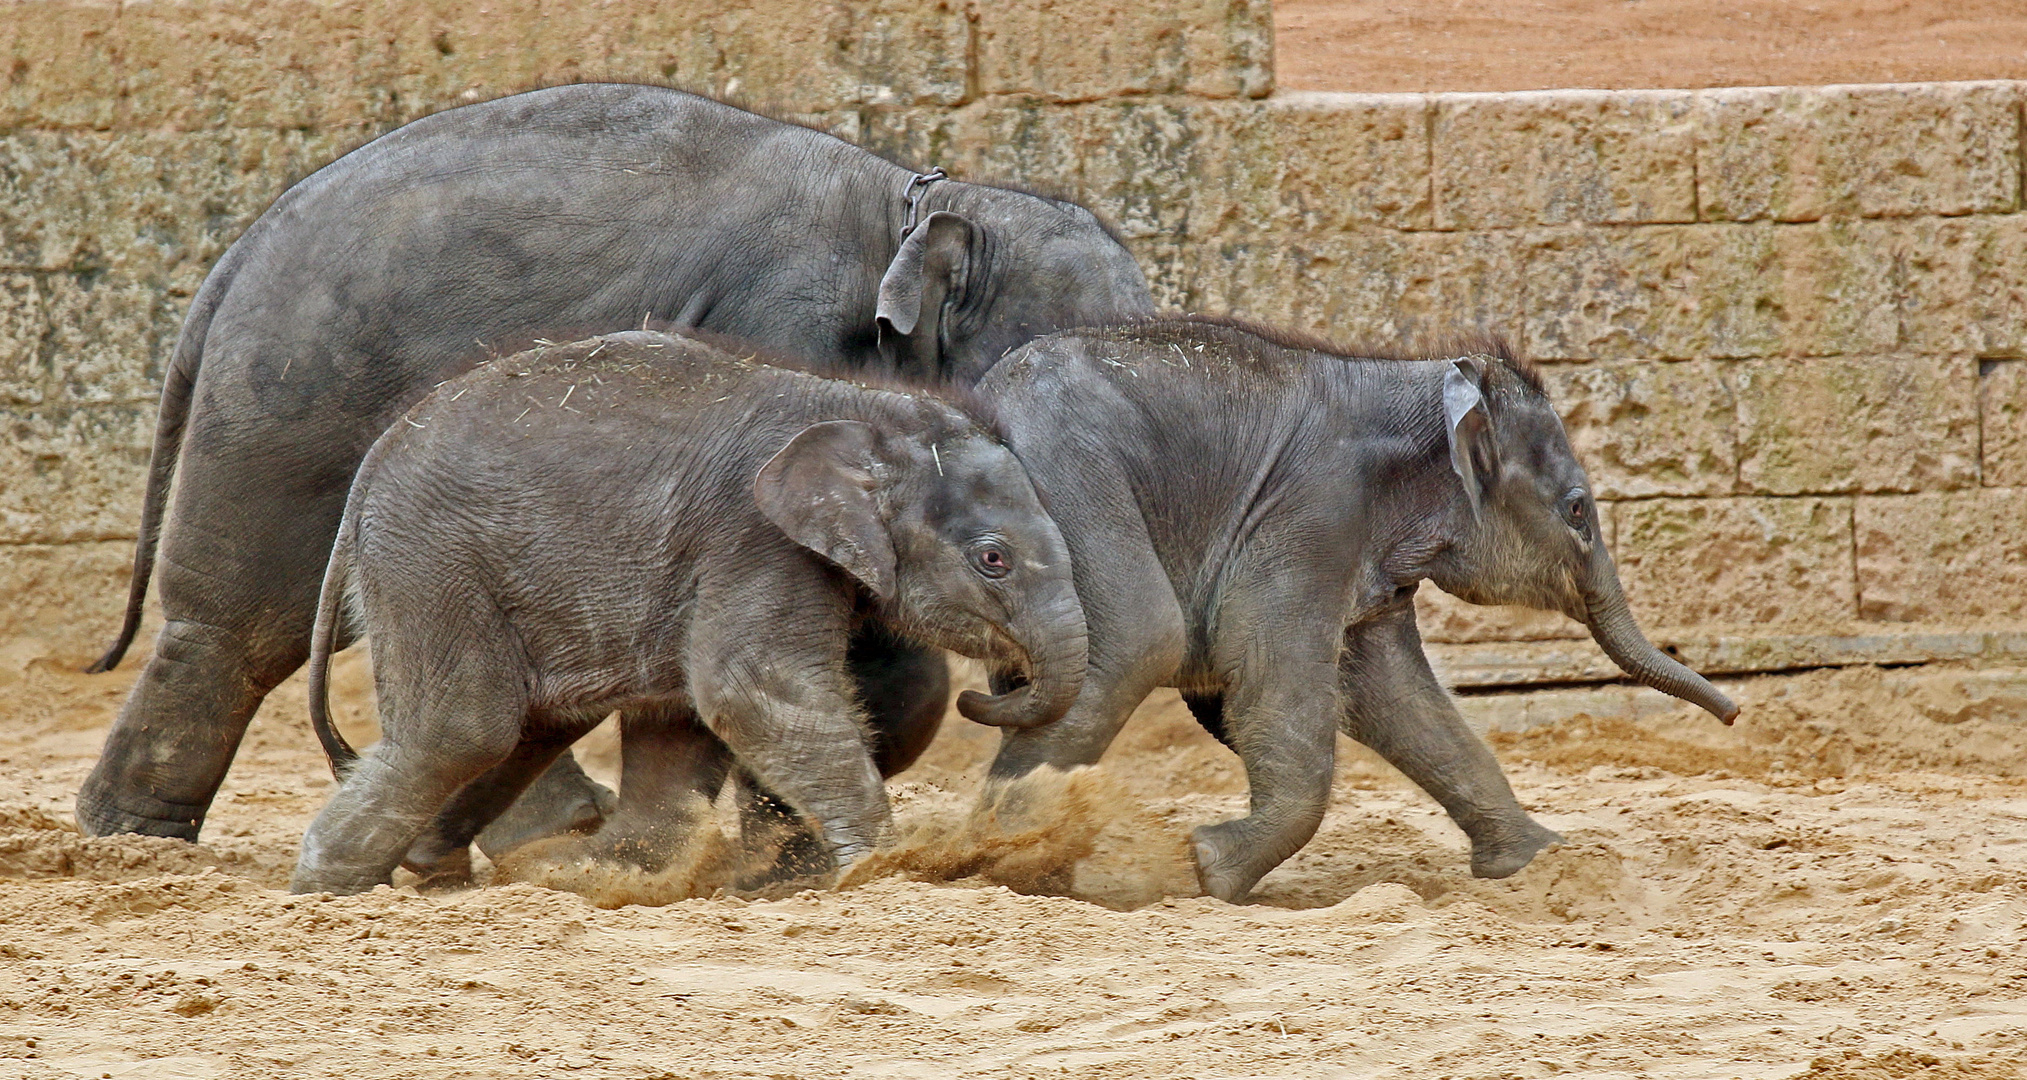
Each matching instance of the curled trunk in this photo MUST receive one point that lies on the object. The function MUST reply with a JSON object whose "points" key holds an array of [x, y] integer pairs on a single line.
{"points": [[1056, 654]]}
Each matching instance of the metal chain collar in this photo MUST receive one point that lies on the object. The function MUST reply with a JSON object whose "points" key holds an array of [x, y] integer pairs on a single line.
{"points": [[918, 183]]}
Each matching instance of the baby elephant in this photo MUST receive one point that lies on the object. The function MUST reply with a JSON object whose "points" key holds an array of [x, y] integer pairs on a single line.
{"points": [[1249, 519], [646, 523]]}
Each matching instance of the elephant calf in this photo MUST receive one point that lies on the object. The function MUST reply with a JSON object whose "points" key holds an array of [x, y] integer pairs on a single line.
{"points": [[1248, 519], [645, 523]]}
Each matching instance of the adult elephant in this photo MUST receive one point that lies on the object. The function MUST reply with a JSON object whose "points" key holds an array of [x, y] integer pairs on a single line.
{"points": [[580, 208]]}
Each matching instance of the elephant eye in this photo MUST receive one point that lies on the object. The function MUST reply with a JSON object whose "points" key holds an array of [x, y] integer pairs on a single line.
{"points": [[1573, 512], [991, 561]]}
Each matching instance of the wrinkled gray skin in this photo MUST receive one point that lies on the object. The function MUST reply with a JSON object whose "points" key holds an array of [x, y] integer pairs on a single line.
{"points": [[579, 208], [644, 523], [1249, 523]]}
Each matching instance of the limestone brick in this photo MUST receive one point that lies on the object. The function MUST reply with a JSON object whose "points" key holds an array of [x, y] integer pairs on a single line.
{"points": [[1944, 557], [1170, 269], [1382, 287], [1558, 156], [1211, 48], [1803, 153], [75, 474], [2002, 422], [1965, 284], [156, 207], [56, 65], [1857, 424], [108, 338], [1681, 291], [1645, 428], [1305, 163], [1137, 164], [294, 64], [1022, 141], [24, 367], [1737, 561], [246, 63]]}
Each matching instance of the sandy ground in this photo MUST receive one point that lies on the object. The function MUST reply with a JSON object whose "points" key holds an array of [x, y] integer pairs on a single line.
{"points": [[1801, 896], [1421, 45]]}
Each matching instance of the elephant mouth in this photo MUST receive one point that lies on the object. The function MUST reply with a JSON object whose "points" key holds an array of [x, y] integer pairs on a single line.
{"points": [[1018, 698]]}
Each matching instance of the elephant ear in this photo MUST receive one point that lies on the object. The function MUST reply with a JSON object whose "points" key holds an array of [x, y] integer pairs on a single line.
{"points": [[930, 268], [819, 489], [1473, 453]]}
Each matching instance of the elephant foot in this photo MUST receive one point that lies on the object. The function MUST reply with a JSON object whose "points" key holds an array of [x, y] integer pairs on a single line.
{"points": [[561, 801], [335, 880], [783, 853], [442, 871], [1220, 871], [451, 875], [103, 812], [1504, 854]]}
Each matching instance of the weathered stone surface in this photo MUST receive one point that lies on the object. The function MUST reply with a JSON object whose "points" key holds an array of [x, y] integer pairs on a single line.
{"points": [[1556, 156], [108, 338], [1965, 284], [1945, 557], [55, 65], [64, 602], [24, 369], [1170, 267], [291, 64], [1306, 163], [1681, 291], [189, 67], [1857, 424], [156, 207], [1094, 49], [73, 474], [1136, 164], [1802, 153], [2002, 422], [1022, 141], [1737, 561], [1371, 286], [1646, 427]]}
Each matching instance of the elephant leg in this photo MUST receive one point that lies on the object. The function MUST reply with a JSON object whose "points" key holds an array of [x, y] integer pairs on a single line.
{"points": [[1137, 642], [451, 712], [794, 727], [238, 581], [1393, 703], [670, 769], [905, 690], [560, 800], [442, 855], [771, 830], [1282, 724]]}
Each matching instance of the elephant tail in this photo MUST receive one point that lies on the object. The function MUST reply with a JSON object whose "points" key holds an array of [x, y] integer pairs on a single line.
{"points": [[330, 610], [179, 385]]}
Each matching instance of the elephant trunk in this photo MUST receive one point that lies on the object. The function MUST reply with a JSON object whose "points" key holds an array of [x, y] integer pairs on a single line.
{"points": [[1055, 647], [1611, 623]]}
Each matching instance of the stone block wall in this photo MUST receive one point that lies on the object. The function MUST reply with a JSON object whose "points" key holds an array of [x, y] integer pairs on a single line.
{"points": [[1787, 327]]}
